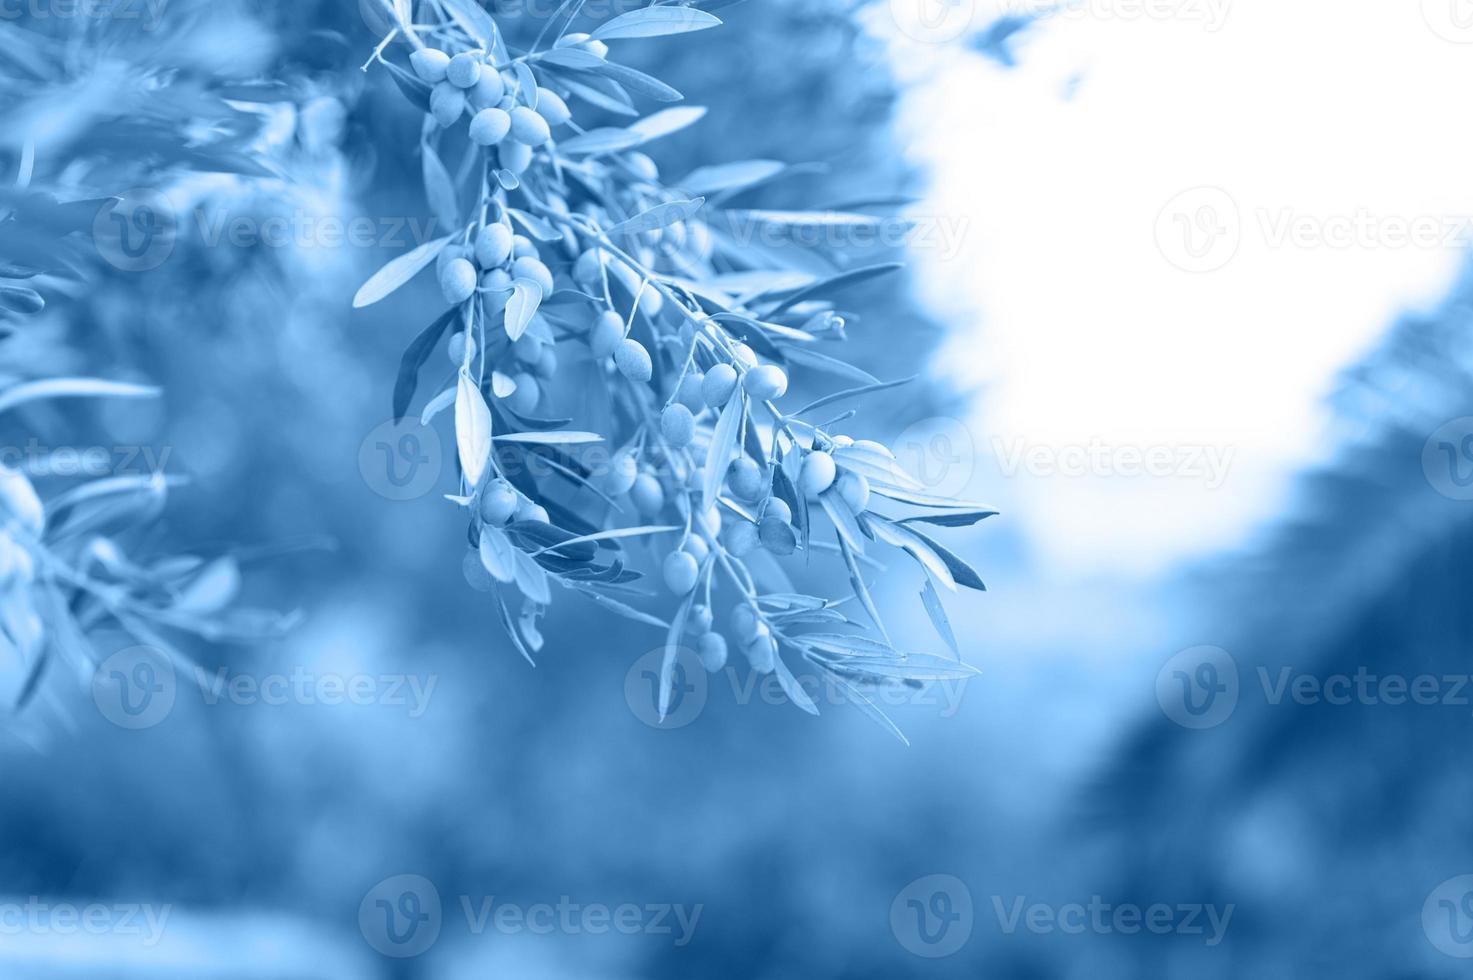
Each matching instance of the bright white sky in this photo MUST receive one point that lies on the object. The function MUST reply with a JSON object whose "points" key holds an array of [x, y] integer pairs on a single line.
{"points": [[1066, 307]]}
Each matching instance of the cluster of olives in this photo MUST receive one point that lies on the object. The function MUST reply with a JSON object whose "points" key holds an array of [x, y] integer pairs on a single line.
{"points": [[514, 122], [501, 116]]}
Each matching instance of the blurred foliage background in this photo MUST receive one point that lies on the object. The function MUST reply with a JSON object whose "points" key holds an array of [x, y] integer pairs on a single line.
{"points": [[264, 826]]}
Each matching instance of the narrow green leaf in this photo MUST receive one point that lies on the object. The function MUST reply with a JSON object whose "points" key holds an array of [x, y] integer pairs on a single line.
{"points": [[397, 272], [656, 22]]}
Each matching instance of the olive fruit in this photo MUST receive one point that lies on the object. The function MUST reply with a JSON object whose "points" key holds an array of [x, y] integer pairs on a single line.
{"points": [[489, 127], [430, 65], [680, 571], [633, 361], [711, 648], [677, 425], [818, 473], [765, 382], [718, 385], [458, 280], [498, 503]]}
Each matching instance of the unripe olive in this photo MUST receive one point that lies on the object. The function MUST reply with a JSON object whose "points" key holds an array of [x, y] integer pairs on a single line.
{"points": [[489, 127], [523, 247], [497, 280], [718, 385], [583, 42], [745, 478], [528, 510], [744, 622], [430, 65], [633, 361], [677, 425], [546, 366], [535, 270], [745, 355], [493, 246], [498, 503], [475, 573], [619, 478], [528, 127], [643, 166], [457, 349], [550, 106], [527, 348], [766, 381], [711, 648], [516, 157], [449, 254], [458, 281], [842, 442], [762, 652], [818, 473], [588, 270], [874, 447], [447, 103], [464, 69], [607, 333], [700, 619], [778, 509], [854, 488], [524, 400], [698, 548], [647, 494], [489, 90], [689, 392], [742, 538]]}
